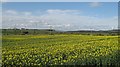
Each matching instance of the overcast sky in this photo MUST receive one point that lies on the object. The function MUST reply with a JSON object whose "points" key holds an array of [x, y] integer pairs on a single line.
{"points": [[60, 15]]}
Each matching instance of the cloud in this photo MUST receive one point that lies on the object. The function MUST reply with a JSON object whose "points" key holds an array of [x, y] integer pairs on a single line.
{"points": [[11, 12], [3, 0], [95, 4], [58, 19], [57, 11], [27, 13]]}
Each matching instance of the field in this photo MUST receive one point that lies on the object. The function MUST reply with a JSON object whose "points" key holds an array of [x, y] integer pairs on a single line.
{"points": [[26, 50]]}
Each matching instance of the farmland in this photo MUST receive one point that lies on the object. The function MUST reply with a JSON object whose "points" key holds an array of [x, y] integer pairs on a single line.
{"points": [[60, 49]]}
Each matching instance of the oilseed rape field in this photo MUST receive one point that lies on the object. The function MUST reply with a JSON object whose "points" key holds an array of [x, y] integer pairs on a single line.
{"points": [[40, 50]]}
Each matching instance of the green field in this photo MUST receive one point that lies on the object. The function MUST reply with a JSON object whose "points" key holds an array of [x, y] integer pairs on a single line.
{"points": [[26, 50]]}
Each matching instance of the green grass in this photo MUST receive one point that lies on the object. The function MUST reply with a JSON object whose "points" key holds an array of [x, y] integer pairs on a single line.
{"points": [[26, 50]]}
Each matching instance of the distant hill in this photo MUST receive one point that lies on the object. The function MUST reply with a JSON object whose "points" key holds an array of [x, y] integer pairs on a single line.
{"points": [[52, 31]]}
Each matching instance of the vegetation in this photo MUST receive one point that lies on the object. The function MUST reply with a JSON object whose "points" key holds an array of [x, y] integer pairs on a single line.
{"points": [[52, 32], [70, 49]]}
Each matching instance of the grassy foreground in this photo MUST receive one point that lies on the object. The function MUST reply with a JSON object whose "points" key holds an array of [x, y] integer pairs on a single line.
{"points": [[29, 50]]}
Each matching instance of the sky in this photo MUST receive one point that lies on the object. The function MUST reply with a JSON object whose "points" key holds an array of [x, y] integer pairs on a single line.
{"points": [[59, 0], [60, 15]]}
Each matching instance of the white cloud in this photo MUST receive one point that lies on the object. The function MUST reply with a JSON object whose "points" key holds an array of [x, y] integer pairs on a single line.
{"points": [[67, 25], [27, 13], [11, 12], [58, 19], [3, 0], [57, 11], [95, 4]]}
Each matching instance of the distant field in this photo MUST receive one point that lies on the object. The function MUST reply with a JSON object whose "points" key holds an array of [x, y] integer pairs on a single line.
{"points": [[26, 50]]}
